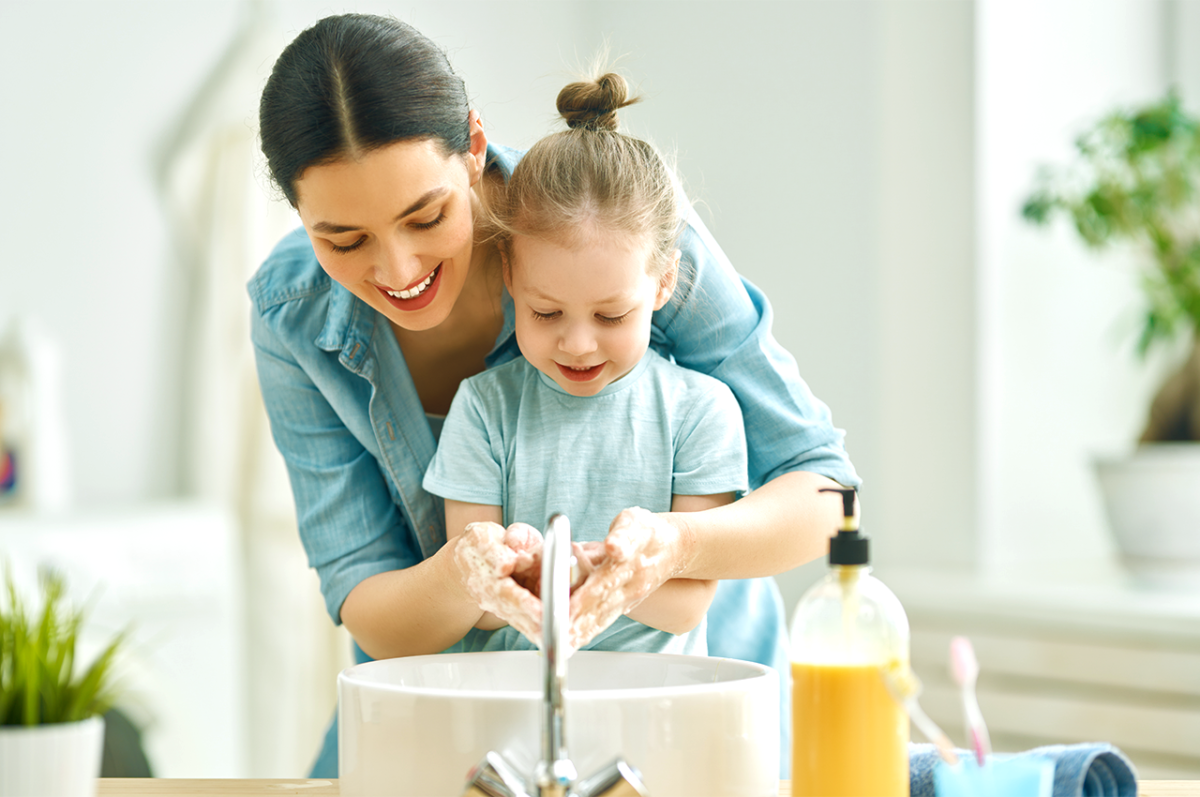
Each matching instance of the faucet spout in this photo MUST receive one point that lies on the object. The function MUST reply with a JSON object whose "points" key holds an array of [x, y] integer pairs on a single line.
{"points": [[555, 771], [556, 775]]}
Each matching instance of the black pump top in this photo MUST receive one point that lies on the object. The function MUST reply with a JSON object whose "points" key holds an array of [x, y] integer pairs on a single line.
{"points": [[850, 546]]}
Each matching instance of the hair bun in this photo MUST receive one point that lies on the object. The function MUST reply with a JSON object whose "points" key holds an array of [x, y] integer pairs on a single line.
{"points": [[593, 104]]}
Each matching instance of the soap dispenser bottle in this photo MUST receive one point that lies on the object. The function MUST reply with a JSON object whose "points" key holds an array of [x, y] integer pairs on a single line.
{"points": [[849, 736]]}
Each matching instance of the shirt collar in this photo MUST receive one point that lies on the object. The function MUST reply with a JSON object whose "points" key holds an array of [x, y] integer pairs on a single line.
{"points": [[349, 324]]}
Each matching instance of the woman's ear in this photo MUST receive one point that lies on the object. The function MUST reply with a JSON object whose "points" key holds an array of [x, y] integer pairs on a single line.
{"points": [[477, 154], [666, 283]]}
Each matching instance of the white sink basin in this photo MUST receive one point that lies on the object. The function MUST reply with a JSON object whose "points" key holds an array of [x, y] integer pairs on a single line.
{"points": [[692, 725]]}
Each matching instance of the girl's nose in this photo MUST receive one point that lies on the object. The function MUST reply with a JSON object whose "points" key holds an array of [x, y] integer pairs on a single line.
{"points": [[577, 340]]}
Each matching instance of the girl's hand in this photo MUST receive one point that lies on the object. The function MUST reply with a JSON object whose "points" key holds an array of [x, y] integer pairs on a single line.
{"points": [[641, 553], [498, 566], [527, 571]]}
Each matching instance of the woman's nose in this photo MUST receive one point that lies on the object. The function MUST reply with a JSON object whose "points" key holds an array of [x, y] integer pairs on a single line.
{"points": [[577, 340], [399, 266]]}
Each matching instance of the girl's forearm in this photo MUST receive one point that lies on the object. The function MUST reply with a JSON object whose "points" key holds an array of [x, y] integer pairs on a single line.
{"points": [[781, 525], [677, 606], [421, 609]]}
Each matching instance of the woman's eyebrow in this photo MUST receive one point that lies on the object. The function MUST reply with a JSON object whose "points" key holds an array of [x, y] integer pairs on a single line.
{"points": [[423, 200]]}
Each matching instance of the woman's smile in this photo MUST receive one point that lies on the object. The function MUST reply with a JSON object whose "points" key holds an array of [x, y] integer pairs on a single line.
{"points": [[415, 296]]}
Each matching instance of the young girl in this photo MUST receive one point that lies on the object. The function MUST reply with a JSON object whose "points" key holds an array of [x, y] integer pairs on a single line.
{"points": [[590, 420]]}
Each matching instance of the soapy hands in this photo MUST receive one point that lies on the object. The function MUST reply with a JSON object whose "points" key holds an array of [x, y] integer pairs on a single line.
{"points": [[502, 572], [639, 555]]}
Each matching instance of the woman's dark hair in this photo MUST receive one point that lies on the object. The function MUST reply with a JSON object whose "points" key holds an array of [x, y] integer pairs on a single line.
{"points": [[351, 84]]}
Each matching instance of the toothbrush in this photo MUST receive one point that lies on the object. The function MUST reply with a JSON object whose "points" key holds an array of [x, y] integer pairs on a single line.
{"points": [[966, 669], [904, 687]]}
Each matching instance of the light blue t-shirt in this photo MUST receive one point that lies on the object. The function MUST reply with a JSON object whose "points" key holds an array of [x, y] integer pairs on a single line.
{"points": [[514, 438]]}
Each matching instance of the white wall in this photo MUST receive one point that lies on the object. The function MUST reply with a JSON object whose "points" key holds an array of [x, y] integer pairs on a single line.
{"points": [[1059, 381], [925, 289], [89, 91]]}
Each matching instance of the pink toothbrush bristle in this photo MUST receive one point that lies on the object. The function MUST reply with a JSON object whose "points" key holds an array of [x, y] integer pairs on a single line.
{"points": [[962, 660], [978, 744]]}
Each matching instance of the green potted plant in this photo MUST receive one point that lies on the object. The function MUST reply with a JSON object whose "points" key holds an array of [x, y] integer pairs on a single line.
{"points": [[1135, 181], [51, 707]]}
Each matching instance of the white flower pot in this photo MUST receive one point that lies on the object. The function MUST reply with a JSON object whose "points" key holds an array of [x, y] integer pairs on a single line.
{"points": [[1152, 498], [57, 760]]}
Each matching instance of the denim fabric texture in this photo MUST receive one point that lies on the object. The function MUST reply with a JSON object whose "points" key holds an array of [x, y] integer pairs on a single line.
{"points": [[1086, 769]]}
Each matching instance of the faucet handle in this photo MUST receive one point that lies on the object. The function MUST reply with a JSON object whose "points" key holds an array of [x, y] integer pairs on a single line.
{"points": [[495, 777], [618, 779]]}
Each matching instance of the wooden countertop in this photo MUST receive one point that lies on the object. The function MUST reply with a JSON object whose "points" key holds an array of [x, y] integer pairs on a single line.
{"points": [[160, 787]]}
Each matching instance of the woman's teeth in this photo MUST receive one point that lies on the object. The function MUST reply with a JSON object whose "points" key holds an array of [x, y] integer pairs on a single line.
{"points": [[414, 291]]}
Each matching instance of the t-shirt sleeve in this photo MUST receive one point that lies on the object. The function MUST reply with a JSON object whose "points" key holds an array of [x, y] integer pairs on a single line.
{"points": [[467, 466], [710, 445]]}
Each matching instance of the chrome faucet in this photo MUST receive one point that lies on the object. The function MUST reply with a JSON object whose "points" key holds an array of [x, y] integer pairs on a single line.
{"points": [[555, 775]]}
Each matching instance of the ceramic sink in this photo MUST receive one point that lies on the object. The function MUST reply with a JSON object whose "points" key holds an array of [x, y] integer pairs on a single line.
{"points": [[692, 725]]}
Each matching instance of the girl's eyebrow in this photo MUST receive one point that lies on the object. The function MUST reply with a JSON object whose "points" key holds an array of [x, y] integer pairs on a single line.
{"points": [[616, 297], [423, 200]]}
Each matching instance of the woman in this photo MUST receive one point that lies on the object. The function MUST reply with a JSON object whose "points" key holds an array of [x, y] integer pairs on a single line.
{"points": [[367, 319]]}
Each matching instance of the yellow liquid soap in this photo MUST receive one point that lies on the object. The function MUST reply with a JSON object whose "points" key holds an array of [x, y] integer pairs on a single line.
{"points": [[849, 737]]}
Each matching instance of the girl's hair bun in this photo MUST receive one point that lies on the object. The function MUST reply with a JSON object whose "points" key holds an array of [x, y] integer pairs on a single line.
{"points": [[593, 104]]}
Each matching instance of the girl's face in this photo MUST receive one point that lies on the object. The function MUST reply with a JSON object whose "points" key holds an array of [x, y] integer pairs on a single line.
{"points": [[584, 310], [395, 227]]}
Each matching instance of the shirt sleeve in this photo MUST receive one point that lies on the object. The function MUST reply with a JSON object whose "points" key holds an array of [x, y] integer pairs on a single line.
{"points": [[719, 324], [349, 525], [466, 466], [710, 446]]}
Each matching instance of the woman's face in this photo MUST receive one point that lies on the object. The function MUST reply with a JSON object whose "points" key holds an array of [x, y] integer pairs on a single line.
{"points": [[395, 227]]}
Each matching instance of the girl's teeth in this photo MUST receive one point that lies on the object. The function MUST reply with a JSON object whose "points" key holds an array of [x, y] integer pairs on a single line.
{"points": [[415, 291]]}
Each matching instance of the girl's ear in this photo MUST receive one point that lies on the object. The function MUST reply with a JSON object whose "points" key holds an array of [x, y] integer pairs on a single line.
{"points": [[477, 154], [505, 267], [666, 283]]}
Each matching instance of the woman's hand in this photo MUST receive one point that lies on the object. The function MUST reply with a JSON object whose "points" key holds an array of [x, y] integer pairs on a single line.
{"points": [[641, 553], [501, 569]]}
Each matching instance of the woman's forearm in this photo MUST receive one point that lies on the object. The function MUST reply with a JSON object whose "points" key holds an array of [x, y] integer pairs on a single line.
{"points": [[781, 525], [421, 609]]}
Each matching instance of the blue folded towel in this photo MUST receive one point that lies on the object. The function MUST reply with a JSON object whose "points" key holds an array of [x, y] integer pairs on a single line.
{"points": [[1095, 769]]}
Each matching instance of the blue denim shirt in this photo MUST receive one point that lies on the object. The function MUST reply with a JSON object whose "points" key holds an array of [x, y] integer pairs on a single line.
{"points": [[346, 417]]}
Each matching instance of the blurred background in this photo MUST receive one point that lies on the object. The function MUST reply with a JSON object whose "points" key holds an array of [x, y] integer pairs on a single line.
{"points": [[863, 161]]}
